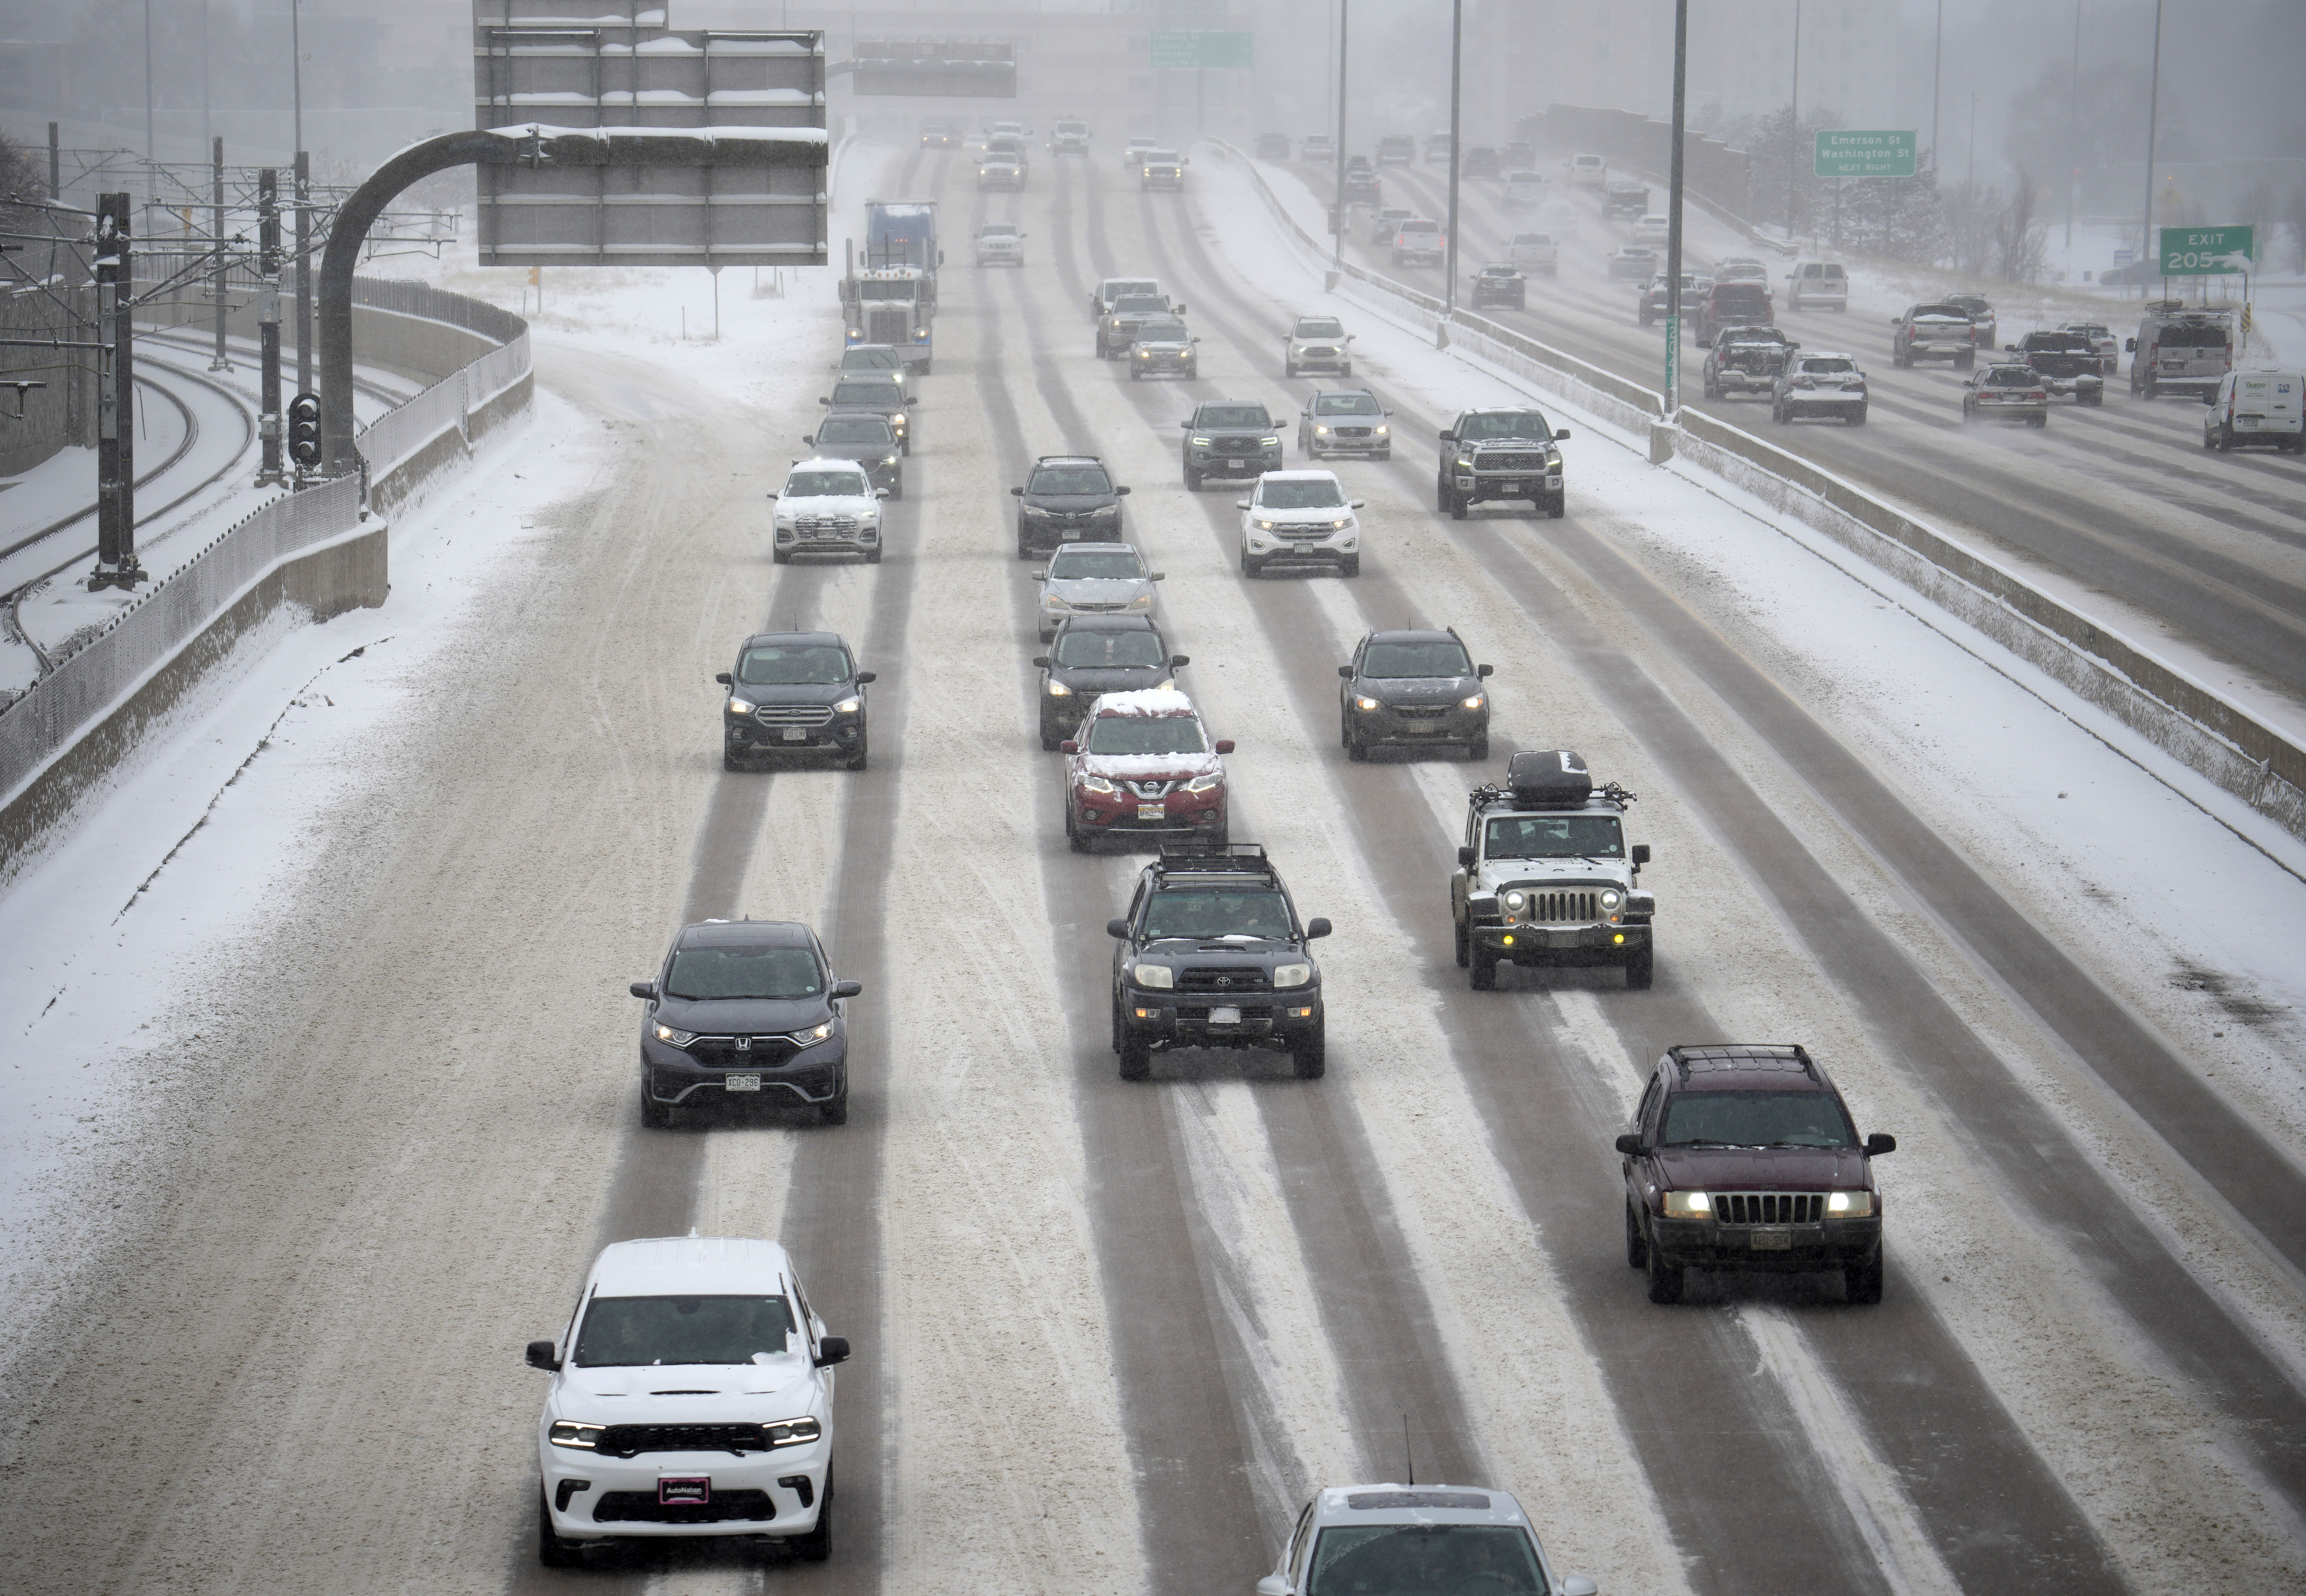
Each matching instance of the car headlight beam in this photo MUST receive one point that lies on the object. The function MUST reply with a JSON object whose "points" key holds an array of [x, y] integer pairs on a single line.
{"points": [[1292, 975], [568, 1432], [1159, 976], [1688, 1205], [1849, 1205], [673, 1038]]}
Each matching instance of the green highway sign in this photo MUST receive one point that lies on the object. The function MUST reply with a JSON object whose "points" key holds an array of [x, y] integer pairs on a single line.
{"points": [[1201, 49], [1862, 152], [2207, 252]]}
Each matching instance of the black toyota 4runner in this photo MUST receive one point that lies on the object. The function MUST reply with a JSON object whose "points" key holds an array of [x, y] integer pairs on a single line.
{"points": [[2067, 363], [1212, 955], [1742, 1156], [1230, 437], [1499, 454]]}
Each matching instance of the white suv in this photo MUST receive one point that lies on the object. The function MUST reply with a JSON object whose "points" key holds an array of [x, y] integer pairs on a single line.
{"points": [[691, 1395], [1354, 1538], [1000, 243], [828, 506], [1300, 517]]}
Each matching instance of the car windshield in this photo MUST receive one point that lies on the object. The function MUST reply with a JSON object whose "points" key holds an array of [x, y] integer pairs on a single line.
{"points": [[625, 1332], [1160, 155], [1749, 1119], [1216, 911], [1554, 837], [2057, 343], [1232, 415], [1952, 312], [1162, 332], [997, 230], [1393, 660], [855, 429], [1828, 364], [1346, 405], [759, 974], [824, 484], [1288, 494], [871, 360], [1116, 290], [1101, 649], [1413, 1559], [1516, 424], [794, 665], [872, 288], [1116, 565], [1739, 297], [1140, 303], [1146, 734], [2089, 329], [1316, 327], [1061, 480], [867, 393]]}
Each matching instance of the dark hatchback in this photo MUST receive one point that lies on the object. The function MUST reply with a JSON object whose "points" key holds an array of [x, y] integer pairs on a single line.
{"points": [[1212, 955], [793, 692], [1742, 1156], [1500, 283], [1095, 654], [1067, 498], [1411, 689], [744, 1010]]}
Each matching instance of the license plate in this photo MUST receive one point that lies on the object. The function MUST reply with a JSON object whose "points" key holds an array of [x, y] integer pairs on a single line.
{"points": [[1771, 1241], [685, 1493], [1152, 811], [1224, 1016], [740, 1083], [795, 734], [1509, 487]]}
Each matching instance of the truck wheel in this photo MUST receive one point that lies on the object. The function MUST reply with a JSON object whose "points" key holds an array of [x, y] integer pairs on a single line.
{"points": [[552, 1550], [1356, 749], [2153, 389], [1075, 837], [1136, 1058], [1559, 505], [1638, 1247], [1350, 566], [873, 555], [1478, 750], [1193, 480], [924, 372], [1311, 1059], [2038, 422], [1024, 550], [1252, 569], [1640, 969], [1458, 504], [1863, 1285], [2226, 439], [1481, 974], [1858, 416], [781, 557], [1963, 362], [1440, 495], [1665, 1283], [817, 1546], [655, 1115], [856, 761], [1464, 939]]}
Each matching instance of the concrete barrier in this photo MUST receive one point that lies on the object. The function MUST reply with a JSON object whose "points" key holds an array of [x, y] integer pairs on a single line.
{"points": [[2205, 730]]}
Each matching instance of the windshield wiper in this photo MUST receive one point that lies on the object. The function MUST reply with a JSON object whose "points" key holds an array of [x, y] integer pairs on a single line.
{"points": [[1703, 1141]]}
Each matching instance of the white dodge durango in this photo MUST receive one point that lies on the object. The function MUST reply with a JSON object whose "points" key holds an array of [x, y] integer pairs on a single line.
{"points": [[691, 1395]]}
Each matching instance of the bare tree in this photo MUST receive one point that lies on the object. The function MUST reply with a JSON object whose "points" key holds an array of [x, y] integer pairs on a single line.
{"points": [[2298, 225], [23, 176], [2020, 242]]}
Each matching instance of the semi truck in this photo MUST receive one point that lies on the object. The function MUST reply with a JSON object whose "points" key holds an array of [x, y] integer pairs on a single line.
{"points": [[890, 296]]}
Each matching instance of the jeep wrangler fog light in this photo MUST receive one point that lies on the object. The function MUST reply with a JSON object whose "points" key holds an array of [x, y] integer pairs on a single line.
{"points": [[1508, 939], [1619, 938]]}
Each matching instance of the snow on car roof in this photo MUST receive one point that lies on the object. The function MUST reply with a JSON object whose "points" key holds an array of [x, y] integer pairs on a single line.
{"points": [[691, 1266], [827, 462], [1301, 476], [1145, 700]]}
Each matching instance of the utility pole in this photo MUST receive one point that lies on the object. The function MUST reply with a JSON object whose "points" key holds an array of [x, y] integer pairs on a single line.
{"points": [[221, 362], [115, 430], [1337, 215], [2074, 127], [1673, 217], [1972, 179], [303, 270], [1937, 82], [151, 140], [1793, 128], [267, 323], [2146, 251], [1457, 140]]}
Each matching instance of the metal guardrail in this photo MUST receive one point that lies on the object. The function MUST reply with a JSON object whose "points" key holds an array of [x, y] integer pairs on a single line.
{"points": [[2205, 730], [95, 679]]}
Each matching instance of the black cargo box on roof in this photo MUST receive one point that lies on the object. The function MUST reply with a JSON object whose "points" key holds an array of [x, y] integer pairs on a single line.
{"points": [[1550, 776]]}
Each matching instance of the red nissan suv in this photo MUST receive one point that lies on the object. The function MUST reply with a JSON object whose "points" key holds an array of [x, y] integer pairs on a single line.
{"points": [[1141, 764]]}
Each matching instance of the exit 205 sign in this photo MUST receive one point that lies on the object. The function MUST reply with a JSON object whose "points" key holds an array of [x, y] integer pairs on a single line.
{"points": [[2207, 252]]}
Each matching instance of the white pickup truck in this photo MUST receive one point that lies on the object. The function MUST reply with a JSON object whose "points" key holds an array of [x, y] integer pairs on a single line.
{"points": [[1535, 251]]}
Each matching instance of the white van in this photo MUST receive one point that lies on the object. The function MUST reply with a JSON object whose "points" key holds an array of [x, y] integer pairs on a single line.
{"points": [[1820, 283], [1586, 171], [2257, 407]]}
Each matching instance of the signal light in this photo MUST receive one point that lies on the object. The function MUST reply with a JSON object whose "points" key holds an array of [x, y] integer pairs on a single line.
{"points": [[304, 429]]}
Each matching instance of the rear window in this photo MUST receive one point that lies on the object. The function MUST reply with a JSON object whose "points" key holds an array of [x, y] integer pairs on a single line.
{"points": [[1954, 312], [1739, 297], [2010, 376], [1828, 364], [1542, 239], [2192, 337]]}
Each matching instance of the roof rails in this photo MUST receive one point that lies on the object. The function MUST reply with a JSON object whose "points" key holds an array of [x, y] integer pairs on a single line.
{"points": [[1044, 459], [1199, 858], [1734, 1054]]}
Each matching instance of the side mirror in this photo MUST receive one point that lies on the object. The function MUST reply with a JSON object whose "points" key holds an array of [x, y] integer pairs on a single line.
{"points": [[1016, 492], [1187, 425], [1641, 853], [832, 1349], [1121, 492], [864, 677], [1179, 661], [1069, 747], [725, 679], [1560, 434], [2129, 345], [1449, 437], [1180, 310], [1040, 576], [540, 1356], [1356, 504], [1579, 1584], [1316, 928], [848, 989], [1117, 928], [1485, 671], [1157, 575], [822, 400], [1195, 339], [1273, 1584], [880, 492], [1345, 672], [644, 989], [1042, 660], [807, 438], [1465, 857], [1879, 1143], [2010, 348], [1224, 744], [1632, 1146]]}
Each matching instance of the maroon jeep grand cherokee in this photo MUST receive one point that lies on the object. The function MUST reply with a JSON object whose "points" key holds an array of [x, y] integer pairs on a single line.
{"points": [[1742, 1157]]}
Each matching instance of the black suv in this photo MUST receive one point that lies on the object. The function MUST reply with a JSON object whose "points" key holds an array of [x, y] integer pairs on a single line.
{"points": [[1625, 196], [1116, 329], [744, 1006], [1406, 689], [879, 393], [1481, 161], [1501, 283], [2067, 363], [1095, 654], [1742, 1156], [1212, 955], [866, 438], [1230, 437], [1068, 499], [793, 692], [1499, 454]]}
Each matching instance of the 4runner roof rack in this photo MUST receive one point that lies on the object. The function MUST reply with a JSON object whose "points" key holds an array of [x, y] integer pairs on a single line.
{"points": [[1201, 857]]}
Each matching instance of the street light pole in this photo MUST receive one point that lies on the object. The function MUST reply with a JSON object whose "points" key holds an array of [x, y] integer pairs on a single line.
{"points": [[1793, 128], [1673, 217], [2152, 105], [1338, 216], [2074, 127], [1937, 80], [1457, 108], [151, 140]]}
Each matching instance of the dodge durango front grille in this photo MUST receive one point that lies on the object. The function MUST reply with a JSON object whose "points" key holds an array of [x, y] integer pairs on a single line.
{"points": [[1769, 1207], [630, 1440]]}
